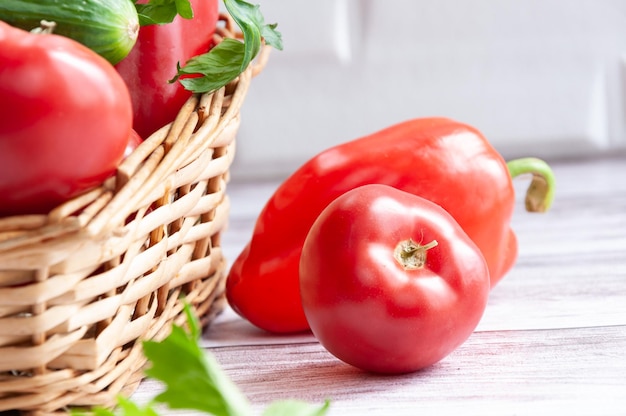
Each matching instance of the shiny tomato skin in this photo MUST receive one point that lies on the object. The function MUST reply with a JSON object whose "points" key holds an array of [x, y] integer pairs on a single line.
{"points": [[369, 311], [65, 120], [134, 141]]}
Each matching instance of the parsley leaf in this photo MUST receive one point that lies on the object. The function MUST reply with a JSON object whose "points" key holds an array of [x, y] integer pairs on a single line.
{"points": [[126, 407], [217, 67], [157, 12], [229, 58], [130, 408], [193, 379]]}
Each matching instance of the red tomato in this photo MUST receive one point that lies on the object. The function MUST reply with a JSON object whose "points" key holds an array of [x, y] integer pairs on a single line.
{"points": [[389, 281], [133, 142], [65, 119]]}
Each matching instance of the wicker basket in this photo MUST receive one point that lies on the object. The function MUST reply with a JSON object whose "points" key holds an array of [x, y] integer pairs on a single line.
{"points": [[82, 286]]}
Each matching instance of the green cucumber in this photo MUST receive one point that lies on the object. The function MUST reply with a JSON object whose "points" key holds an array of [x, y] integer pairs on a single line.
{"points": [[108, 27]]}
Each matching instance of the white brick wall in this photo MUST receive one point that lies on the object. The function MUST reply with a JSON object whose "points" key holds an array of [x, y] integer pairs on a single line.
{"points": [[540, 77]]}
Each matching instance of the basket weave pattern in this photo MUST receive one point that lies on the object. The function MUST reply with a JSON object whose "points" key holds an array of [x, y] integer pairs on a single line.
{"points": [[82, 286]]}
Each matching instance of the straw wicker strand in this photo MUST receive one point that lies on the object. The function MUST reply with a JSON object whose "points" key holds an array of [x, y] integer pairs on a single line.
{"points": [[82, 287]]}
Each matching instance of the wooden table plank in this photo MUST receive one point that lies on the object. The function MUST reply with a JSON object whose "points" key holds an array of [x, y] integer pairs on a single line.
{"points": [[494, 372], [552, 340], [574, 371]]}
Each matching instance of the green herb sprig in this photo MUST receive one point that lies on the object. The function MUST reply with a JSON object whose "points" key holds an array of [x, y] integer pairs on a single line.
{"points": [[158, 12], [230, 57], [194, 380], [225, 61]]}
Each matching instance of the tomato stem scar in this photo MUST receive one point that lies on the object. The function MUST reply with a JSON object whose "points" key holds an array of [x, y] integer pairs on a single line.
{"points": [[412, 255]]}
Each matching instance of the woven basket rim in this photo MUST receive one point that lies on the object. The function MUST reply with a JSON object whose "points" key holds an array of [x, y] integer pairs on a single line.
{"points": [[108, 203]]}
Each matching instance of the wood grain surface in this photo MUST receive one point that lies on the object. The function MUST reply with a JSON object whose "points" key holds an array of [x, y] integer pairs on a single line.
{"points": [[552, 340]]}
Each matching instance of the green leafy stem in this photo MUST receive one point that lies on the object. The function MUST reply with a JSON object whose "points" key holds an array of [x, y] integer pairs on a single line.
{"points": [[158, 12], [230, 57], [226, 60]]}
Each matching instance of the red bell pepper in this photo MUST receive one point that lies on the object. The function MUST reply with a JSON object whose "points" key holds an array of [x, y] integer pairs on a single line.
{"points": [[441, 160], [153, 62]]}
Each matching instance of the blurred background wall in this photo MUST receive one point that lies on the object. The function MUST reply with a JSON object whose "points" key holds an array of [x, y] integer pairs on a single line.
{"points": [[538, 77]]}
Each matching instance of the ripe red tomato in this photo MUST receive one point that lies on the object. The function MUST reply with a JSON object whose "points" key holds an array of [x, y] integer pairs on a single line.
{"points": [[389, 281], [133, 142], [65, 120]]}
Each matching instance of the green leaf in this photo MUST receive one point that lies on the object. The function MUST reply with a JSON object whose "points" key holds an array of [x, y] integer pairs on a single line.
{"points": [[96, 411], [250, 20], [126, 407], [218, 67], [192, 322], [184, 8], [130, 408], [192, 378], [272, 37], [295, 408], [246, 17], [227, 60], [157, 12], [252, 24]]}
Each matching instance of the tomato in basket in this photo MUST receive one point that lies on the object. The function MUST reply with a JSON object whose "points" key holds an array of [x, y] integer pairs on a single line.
{"points": [[65, 120], [133, 142]]}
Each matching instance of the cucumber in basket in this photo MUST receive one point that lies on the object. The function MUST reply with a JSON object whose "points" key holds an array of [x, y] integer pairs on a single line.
{"points": [[109, 27]]}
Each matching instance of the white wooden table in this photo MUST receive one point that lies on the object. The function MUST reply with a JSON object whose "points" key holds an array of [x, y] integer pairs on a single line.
{"points": [[552, 340]]}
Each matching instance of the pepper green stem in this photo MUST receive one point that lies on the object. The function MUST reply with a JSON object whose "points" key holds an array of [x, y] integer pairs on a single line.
{"points": [[540, 193]]}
